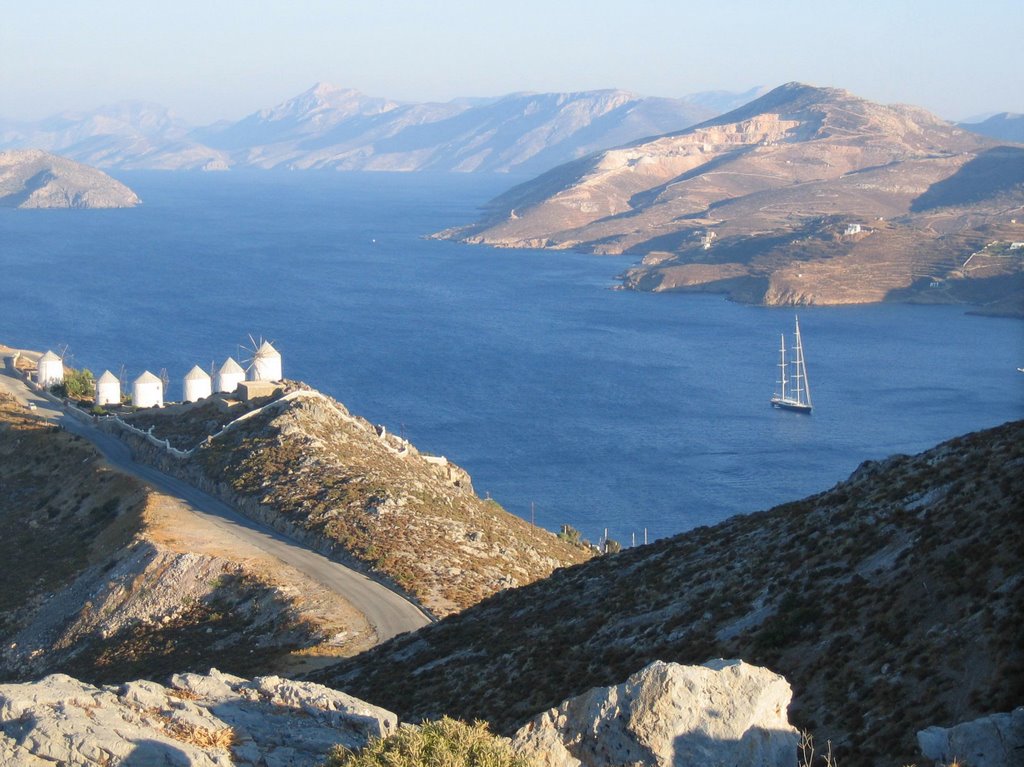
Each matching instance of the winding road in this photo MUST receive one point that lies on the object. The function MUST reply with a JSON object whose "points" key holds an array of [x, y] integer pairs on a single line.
{"points": [[388, 612]]}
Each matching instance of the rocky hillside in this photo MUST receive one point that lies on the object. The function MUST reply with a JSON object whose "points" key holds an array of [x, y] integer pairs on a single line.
{"points": [[892, 602], [804, 195], [343, 129], [303, 463], [31, 178], [110, 581]]}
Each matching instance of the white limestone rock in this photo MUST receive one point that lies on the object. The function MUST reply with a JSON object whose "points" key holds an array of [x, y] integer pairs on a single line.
{"points": [[996, 740], [205, 720], [722, 713]]}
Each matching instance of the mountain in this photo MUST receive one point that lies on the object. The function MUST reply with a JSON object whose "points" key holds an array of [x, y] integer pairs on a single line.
{"points": [[804, 195], [1006, 126], [335, 128], [31, 178], [891, 602], [127, 135]]}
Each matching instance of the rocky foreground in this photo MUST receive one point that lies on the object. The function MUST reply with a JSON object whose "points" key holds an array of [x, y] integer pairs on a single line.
{"points": [[664, 715], [30, 178], [803, 196]]}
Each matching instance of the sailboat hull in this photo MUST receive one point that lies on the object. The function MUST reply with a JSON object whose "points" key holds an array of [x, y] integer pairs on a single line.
{"points": [[788, 404]]}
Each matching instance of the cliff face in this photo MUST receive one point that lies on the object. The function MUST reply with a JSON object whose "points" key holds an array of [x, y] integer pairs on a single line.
{"points": [[306, 464], [30, 178], [892, 602], [805, 195]]}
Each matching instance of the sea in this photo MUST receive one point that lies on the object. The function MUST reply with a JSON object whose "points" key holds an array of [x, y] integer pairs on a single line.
{"points": [[568, 401]]}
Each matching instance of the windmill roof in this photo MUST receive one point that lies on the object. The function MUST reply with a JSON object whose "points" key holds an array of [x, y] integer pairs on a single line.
{"points": [[197, 374], [148, 377], [108, 377], [49, 357], [266, 348], [230, 366]]}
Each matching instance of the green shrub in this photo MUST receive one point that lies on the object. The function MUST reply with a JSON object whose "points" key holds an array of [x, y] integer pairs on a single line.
{"points": [[443, 743], [78, 384]]}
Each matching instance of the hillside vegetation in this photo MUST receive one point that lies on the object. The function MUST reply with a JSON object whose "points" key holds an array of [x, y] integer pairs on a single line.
{"points": [[891, 602], [305, 463]]}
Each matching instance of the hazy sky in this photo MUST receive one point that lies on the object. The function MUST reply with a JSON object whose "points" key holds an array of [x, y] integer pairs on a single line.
{"points": [[226, 58]]}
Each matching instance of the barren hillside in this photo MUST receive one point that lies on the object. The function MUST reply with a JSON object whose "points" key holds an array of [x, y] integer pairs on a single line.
{"points": [[892, 602], [305, 464], [805, 195], [108, 580]]}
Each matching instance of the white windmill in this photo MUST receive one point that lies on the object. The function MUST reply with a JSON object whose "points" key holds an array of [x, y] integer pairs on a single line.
{"points": [[264, 361], [196, 385], [108, 389], [228, 376]]}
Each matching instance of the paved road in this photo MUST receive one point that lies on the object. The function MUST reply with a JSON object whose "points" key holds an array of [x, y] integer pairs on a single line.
{"points": [[388, 612]]}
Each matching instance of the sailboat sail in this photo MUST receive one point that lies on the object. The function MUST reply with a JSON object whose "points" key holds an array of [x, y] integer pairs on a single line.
{"points": [[797, 398]]}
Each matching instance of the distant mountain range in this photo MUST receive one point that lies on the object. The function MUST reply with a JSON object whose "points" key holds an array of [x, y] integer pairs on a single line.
{"points": [[804, 195], [342, 129], [1005, 126]]}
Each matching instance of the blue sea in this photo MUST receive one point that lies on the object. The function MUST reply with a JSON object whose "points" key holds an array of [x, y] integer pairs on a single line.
{"points": [[594, 407]]}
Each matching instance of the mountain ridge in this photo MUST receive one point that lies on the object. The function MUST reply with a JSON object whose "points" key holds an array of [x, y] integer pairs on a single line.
{"points": [[329, 127]]}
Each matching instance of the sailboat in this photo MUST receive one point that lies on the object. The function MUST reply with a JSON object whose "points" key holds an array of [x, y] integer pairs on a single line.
{"points": [[797, 396]]}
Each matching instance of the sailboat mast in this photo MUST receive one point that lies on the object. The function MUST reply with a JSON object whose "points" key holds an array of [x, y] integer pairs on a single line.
{"points": [[802, 366], [782, 363]]}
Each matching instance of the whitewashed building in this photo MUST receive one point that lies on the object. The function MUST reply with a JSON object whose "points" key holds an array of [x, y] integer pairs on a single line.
{"points": [[229, 376], [50, 370], [196, 385], [108, 389], [266, 364], [148, 391]]}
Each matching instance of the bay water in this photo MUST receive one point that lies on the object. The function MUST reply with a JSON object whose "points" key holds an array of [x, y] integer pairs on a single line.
{"points": [[567, 401]]}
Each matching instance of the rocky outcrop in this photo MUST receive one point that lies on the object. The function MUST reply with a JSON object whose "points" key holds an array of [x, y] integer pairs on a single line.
{"points": [[991, 741], [724, 712], [30, 178], [205, 720]]}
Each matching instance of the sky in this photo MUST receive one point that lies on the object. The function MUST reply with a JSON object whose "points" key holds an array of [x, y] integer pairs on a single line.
{"points": [[224, 59]]}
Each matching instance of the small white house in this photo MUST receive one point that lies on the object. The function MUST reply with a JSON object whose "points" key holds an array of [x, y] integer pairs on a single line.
{"points": [[266, 364], [148, 391], [852, 229], [197, 385], [229, 376], [108, 389], [50, 370]]}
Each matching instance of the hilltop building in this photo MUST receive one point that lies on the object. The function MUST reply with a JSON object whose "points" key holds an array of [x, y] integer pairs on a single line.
{"points": [[196, 385], [108, 389], [50, 370], [148, 391], [229, 376], [266, 364]]}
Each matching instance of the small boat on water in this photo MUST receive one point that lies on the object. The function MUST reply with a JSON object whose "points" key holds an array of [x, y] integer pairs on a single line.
{"points": [[795, 393]]}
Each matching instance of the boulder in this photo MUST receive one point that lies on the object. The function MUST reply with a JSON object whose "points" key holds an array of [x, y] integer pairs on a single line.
{"points": [[725, 712], [996, 740], [202, 720]]}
